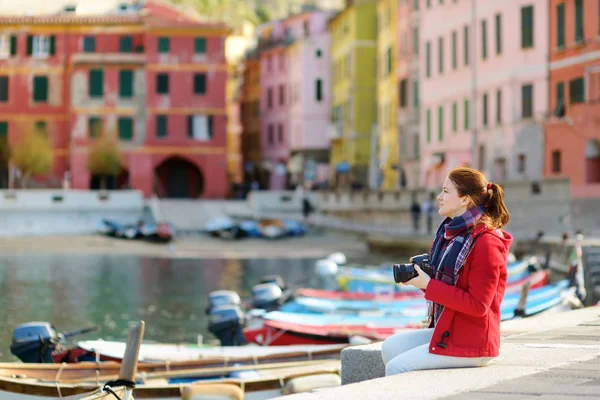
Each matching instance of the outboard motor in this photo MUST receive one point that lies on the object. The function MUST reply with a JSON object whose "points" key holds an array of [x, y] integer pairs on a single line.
{"points": [[227, 324], [276, 279], [219, 298], [34, 342], [267, 296]]}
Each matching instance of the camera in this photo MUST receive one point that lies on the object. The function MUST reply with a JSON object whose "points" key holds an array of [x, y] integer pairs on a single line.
{"points": [[405, 272]]}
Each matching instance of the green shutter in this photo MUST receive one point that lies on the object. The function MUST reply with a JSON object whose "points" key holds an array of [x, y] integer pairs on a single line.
{"points": [[389, 61], [440, 123], [441, 55], [96, 83], [428, 126], [200, 45], [163, 45], [578, 20], [499, 106], [466, 115], [125, 44], [428, 59], [40, 89], [483, 39], [200, 83], [3, 129], [485, 109], [162, 84], [125, 83], [210, 126], [125, 128], [29, 44], [95, 127], [560, 25], [415, 94], [4, 88], [13, 45], [498, 34], [527, 28], [161, 126], [52, 45], [454, 62], [190, 124], [560, 93], [454, 117], [466, 44]]}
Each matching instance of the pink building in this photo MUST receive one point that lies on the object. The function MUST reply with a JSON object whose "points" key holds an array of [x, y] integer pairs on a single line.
{"points": [[504, 54], [274, 99], [309, 95]]}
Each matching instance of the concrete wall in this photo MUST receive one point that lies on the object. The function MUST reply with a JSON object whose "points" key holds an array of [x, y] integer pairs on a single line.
{"points": [[281, 201], [549, 210], [46, 212]]}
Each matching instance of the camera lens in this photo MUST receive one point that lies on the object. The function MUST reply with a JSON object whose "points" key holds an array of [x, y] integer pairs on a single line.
{"points": [[404, 272]]}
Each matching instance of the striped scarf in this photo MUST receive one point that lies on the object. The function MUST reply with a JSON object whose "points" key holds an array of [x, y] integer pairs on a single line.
{"points": [[451, 246]]}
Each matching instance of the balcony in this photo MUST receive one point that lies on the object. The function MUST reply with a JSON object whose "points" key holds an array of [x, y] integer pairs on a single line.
{"points": [[108, 58]]}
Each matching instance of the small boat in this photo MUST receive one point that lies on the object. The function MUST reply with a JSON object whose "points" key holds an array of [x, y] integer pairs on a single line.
{"points": [[280, 228], [163, 232]]}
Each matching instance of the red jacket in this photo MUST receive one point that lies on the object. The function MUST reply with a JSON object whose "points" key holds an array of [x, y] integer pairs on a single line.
{"points": [[469, 326]]}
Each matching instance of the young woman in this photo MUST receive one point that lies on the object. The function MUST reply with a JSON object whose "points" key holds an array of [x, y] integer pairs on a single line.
{"points": [[469, 256]]}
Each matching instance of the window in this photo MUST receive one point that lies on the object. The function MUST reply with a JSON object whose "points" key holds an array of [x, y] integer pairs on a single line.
{"points": [[485, 109], [3, 130], [270, 132], [281, 95], [318, 53], [40, 46], [441, 55], [161, 126], [440, 123], [3, 89], [95, 127], [416, 4], [126, 83], [521, 163], [415, 94], [96, 85], [319, 90], [125, 128], [578, 21], [200, 45], [428, 59], [466, 44], [269, 98], [556, 162], [163, 45], [200, 127], [40, 89], [499, 106], [89, 44], [8, 46], [390, 61], [402, 93], [560, 94], [560, 25], [162, 84], [428, 3], [527, 101], [416, 41], [454, 60], [200, 83], [428, 126], [125, 44], [454, 117], [576, 91], [483, 39], [526, 27], [498, 34], [466, 115], [280, 133]]}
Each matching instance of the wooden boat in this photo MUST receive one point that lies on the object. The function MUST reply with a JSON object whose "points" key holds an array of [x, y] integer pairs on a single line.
{"points": [[255, 382]]}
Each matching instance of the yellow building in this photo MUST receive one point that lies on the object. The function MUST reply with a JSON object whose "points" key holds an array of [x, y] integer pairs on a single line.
{"points": [[354, 103], [387, 93]]}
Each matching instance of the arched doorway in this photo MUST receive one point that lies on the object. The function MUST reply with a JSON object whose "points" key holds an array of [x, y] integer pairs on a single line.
{"points": [[179, 178], [592, 161]]}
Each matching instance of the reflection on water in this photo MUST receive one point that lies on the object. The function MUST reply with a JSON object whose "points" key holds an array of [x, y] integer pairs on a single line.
{"points": [[76, 291]]}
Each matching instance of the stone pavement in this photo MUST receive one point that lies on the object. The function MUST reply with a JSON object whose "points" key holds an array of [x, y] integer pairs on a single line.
{"points": [[550, 356]]}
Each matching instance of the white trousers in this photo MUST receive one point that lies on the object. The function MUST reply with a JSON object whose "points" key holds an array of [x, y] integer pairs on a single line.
{"points": [[409, 351]]}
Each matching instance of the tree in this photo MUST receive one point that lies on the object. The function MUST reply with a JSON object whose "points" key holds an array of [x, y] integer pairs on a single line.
{"points": [[32, 155], [104, 159]]}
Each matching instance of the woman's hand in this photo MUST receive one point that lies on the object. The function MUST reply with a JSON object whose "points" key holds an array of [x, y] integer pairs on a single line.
{"points": [[421, 281]]}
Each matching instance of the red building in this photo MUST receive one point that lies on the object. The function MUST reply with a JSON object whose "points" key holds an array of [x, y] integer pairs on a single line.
{"points": [[150, 75], [572, 136]]}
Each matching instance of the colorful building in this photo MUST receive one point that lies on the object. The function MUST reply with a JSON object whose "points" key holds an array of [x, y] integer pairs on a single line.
{"points": [[503, 54], [309, 96], [146, 73], [275, 134], [387, 95], [407, 78], [572, 135], [354, 101]]}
